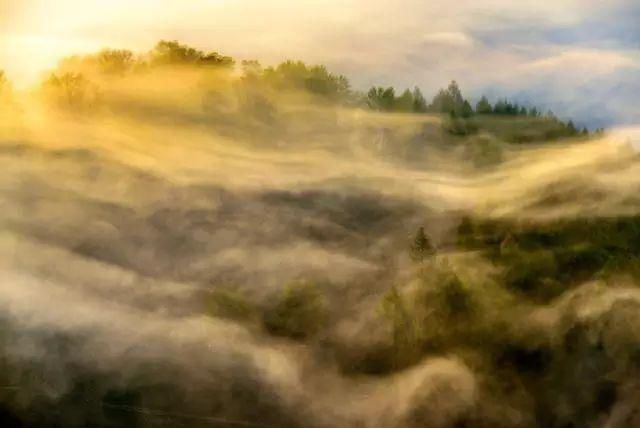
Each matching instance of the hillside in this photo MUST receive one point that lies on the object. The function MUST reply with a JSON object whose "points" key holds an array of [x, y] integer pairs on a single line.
{"points": [[185, 247]]}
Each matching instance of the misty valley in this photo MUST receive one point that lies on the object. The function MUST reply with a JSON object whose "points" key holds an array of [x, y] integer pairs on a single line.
{"points": [[192, 241]]}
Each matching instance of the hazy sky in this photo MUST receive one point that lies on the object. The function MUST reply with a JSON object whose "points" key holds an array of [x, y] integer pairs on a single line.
{"points": [[554, 50]]}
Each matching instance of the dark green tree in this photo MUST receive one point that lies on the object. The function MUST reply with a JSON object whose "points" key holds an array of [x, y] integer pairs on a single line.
{"points": [[419, 102], [388, 98], [421, 247], [454, 92], [382, 99], [298, 313], [449, 100], [441, 103], [373, 97], [467, 110], [483, 106], [319, 81], [500, 107], [404, 103]]}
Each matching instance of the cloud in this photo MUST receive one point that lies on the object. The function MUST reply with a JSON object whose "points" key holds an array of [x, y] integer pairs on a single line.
{"points": [[411, 42], [452, 38], [597, 87], [589, 62]]}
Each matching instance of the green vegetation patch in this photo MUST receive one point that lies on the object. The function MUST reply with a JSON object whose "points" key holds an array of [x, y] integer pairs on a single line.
{"points": [[298, 313], [543, 259]]}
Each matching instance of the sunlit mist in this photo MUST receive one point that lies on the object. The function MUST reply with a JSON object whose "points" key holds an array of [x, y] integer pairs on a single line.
{"points": [[319, 214]]}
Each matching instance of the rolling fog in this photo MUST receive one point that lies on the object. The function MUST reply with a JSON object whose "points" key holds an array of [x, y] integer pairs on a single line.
{"points": [[119, 223]]}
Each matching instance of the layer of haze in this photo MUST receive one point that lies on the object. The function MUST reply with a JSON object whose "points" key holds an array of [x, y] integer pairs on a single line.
{"points": [[128, 211], [119, 222]]}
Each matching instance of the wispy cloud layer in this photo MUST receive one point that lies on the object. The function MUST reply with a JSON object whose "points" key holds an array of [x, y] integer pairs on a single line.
{"points": [[481, 43]]}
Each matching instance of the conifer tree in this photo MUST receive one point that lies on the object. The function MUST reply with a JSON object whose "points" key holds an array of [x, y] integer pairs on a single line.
{"points": [[421, 246], [467, 110], [483, 106]]}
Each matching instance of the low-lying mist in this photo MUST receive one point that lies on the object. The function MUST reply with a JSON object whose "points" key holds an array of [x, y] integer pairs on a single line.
{"points": [[185, 248]]}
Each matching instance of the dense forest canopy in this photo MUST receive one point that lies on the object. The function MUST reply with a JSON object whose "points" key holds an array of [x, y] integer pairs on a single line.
{"points": [[74, 81]]}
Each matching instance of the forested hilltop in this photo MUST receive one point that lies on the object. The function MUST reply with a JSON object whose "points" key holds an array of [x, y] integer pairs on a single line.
{"points": [[75, 85]]}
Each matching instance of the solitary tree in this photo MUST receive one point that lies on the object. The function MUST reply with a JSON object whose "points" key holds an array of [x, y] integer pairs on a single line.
{"points": [[421, 246], [483, 106]]}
